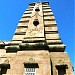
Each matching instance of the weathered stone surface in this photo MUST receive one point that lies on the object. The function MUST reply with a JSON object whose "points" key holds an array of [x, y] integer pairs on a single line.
{"points": [[36, 40], [18, 37], [50, 22], [52, 36], [51, 29], [54, 41], [24, 18], [21, 30], [40, 57], [23, 24], [2, 51], [48, 13], [47, 10], [31, 39], [61, 58], [49, 17]]}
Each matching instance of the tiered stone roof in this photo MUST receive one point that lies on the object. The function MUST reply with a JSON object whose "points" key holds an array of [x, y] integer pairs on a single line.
{"points": [[30, 37]]}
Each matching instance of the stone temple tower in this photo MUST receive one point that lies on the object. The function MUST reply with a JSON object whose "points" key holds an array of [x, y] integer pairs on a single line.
{"points": [[36, 47]]}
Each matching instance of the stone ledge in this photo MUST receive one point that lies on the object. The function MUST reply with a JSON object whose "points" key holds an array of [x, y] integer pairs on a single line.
{"points": [[57, 48]]}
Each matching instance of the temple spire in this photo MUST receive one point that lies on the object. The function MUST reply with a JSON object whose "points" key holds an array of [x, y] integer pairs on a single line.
{"points": [[36, 47]]}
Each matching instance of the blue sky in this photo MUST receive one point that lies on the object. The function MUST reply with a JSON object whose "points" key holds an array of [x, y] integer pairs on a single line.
{"points": [[12, 10]]}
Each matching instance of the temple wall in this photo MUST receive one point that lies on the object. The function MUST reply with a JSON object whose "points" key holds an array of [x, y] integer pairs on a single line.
{"points": [[61, 58], [17, 60]]}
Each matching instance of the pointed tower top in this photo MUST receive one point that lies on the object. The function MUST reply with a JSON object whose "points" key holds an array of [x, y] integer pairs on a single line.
{"points": [[36, 30]]}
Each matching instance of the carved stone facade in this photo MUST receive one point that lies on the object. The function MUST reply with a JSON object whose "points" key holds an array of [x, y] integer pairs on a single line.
{"points": [[36, 47]]}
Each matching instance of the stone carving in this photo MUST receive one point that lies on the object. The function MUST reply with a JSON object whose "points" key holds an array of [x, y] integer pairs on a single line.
{"points": [[6, 61], [31, 60], [35, 31], [61, 61]]}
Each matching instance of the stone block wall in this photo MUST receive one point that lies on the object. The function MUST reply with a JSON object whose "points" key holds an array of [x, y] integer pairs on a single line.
{"points": [[17, 60], [61, 58]]}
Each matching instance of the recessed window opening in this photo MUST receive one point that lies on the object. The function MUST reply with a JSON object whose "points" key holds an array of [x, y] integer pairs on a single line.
{"points": [[30, 71], [37, 9], [36, 22], [3, 68], [30, 68], [61, 69]]}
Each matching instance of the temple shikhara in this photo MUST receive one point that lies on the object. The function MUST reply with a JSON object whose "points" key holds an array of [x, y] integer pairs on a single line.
{"points": [[36, 47]]}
